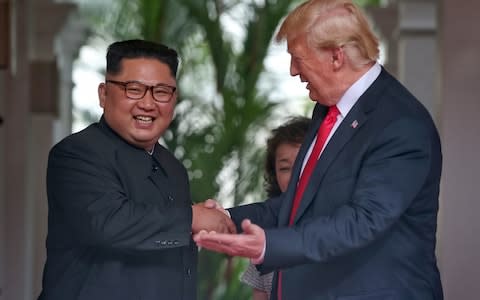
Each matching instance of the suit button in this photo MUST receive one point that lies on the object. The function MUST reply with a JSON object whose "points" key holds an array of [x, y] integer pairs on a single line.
{"points": [[161, 243], [176, 242], [170, 198], [169, 243], [189, 272]]}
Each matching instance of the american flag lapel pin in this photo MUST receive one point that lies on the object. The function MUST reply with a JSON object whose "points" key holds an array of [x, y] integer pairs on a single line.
{"points": [[354, 124]]}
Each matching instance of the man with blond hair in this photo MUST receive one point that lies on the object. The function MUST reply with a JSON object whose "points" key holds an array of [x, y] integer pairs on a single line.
{"points": [[359, 217]]}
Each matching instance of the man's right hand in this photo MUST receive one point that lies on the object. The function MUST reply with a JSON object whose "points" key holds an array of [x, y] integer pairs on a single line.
{"points": [[210, 203], [206, 217]]}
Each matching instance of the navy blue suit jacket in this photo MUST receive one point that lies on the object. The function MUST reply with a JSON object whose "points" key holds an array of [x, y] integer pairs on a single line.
{"points": [[366, 225], [119, 221]]}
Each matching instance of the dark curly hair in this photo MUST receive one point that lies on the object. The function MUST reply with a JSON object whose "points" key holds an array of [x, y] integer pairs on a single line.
{"points": [[291, 132]]}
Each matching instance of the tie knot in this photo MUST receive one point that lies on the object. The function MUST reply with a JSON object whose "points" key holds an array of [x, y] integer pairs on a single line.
{"points": [[333, 111], [332, 114]]}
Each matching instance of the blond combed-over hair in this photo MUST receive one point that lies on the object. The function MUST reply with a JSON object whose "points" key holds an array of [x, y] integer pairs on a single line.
{"points": [[333, 24]]}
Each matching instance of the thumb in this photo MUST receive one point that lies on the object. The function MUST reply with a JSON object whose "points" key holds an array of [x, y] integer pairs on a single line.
{"points": [[249, 228], [210, 203]]}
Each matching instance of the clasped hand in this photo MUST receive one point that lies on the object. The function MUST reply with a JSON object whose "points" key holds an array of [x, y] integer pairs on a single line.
{"points": [[207, 218], [250, 243]]}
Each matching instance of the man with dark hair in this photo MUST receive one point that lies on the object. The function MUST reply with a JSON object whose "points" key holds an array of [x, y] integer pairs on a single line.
{"points": [[120, 214]]}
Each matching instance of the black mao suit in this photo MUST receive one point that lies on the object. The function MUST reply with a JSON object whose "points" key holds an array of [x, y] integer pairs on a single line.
{"points": [[365, 228], [119, 223]]}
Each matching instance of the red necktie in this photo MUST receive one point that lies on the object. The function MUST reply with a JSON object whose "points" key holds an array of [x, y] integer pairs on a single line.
{"points": [[322, 135]]}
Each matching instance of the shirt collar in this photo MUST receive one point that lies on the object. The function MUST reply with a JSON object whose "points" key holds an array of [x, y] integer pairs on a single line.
{"points": [[151, 151], [354, 92]]}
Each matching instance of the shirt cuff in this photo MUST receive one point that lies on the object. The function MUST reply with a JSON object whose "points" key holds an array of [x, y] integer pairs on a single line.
{"points": [[259, 260]]}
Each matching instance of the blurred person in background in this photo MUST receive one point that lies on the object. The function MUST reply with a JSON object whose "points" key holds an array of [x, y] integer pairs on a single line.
{"points": [[282, 149]]}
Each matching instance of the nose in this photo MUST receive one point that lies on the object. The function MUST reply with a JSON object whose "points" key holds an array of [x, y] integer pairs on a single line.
{"points": [[147, 102], [293, 68]]}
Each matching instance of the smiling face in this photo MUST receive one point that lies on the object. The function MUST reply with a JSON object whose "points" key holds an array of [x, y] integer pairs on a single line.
{"points": [[284, 158], [315, 67], [140, 122]]}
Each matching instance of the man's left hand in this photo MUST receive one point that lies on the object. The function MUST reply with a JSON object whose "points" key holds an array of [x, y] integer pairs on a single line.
{"points": [[250, 243]]}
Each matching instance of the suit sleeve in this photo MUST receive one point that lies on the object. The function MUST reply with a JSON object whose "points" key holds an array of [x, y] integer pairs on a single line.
{"points": [[86, 196], [264, 214], [393, 171]]}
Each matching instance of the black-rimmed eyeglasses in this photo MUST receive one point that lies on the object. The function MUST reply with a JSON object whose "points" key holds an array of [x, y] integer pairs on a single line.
{"points": [[136, 90]]}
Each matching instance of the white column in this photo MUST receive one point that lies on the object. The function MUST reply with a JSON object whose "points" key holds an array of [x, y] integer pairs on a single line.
{"points": [[459, 82], [67, 46], [29, 105], [385, 21], [55, 34], [15, 128], [418, 53], [2, 184]]}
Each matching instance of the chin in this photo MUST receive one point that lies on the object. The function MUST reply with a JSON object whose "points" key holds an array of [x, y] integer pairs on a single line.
{"points": [[142, 139]]}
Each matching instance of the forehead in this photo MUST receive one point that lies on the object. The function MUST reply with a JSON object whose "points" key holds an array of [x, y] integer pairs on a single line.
{"points": [[286, 149], [148, 70], [297, 45]]}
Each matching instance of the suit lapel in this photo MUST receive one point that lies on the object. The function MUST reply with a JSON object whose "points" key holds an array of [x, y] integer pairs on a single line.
{"points": [[339, 140], [351, 124]]}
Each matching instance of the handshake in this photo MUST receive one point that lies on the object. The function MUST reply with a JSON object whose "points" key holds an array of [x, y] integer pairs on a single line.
{"points": [[214, 230], [210, 216]]}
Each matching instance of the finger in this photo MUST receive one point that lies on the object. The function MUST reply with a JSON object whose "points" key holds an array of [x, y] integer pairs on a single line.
{"points": [[250, 228], [234, 249], [222, 242], [203, 231], [197, 237], [218, 238], [201, 234], [247, 226], [231, 226], [215, 247], [210, 203]]}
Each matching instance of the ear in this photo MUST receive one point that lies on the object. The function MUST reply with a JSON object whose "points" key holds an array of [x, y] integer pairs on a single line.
{"points": [[338, 58], [102, 94]]}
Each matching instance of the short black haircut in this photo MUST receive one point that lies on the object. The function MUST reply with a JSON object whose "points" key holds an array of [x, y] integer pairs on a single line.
{"points": [[140, 49]]}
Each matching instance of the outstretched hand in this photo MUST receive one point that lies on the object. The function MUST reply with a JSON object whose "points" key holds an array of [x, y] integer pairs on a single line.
{"points": [[209, 219], [249, 244]]}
